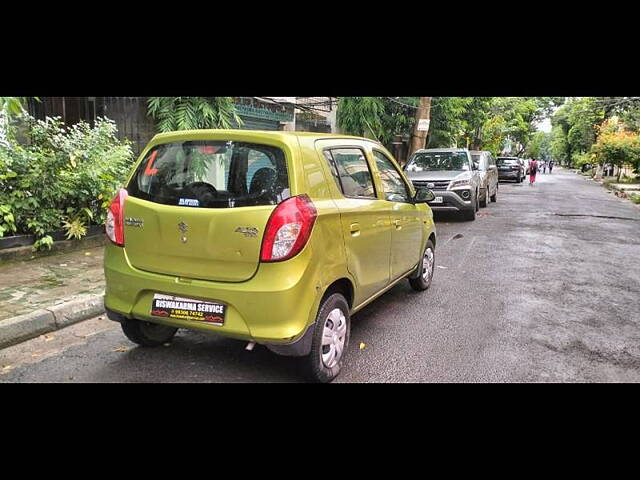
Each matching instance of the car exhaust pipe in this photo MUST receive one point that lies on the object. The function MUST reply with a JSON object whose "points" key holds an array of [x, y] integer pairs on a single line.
{"points": [[250, 346]]}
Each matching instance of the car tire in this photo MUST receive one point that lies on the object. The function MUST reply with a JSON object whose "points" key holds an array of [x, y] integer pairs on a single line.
{"points": [[494, 197], [469, 214], [485, 201], [333, 316], [423, 280], [147, 334]]}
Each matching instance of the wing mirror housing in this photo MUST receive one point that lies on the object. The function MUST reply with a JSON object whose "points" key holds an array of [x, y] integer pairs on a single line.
{"points": [[423, 195]]}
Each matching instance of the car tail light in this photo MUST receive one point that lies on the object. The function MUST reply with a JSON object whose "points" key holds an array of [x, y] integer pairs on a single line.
{"points": [[114, 226], [288, 229]]}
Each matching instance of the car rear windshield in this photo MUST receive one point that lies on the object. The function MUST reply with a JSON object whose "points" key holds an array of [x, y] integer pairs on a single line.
{"points": [[212, 174], [438, 161], [507, 161]]}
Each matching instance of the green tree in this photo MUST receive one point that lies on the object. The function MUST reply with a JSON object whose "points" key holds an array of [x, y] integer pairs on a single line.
{"points": [[361, 116], [585, 115], [446, 121], [539, 147], [617, 146], [559, 145], [192, 113]]}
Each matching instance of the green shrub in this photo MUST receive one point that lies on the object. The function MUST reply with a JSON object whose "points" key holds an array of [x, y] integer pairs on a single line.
{"points": [[64, 178]]}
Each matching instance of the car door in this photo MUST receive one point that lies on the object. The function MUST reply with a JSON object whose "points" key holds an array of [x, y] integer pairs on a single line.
{"points": [[366, 228], [492, 173], [406, 218]]}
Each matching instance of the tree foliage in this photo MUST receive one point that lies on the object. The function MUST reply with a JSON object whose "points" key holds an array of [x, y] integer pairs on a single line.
{"points": [[362, 116], [192, 113], [617, 146], [487, 123], [575, 128], [540, 146]]}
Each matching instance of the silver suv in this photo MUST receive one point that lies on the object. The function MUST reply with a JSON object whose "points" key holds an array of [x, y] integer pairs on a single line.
{"points": [[452, 176], [488, 176]]}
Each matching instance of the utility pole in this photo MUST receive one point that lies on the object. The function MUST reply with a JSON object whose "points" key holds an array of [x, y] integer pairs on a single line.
{"points": [[421, 128]]}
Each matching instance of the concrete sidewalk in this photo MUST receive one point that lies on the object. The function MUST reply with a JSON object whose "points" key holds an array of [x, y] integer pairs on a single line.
{"points": [[47, 293]]}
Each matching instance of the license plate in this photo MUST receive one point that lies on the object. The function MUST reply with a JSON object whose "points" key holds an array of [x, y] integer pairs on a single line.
{"points": [[437, 200], [181, 308]]}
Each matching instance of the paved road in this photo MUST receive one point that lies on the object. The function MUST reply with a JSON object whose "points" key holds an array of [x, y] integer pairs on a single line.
{"points": [[544, 286]]}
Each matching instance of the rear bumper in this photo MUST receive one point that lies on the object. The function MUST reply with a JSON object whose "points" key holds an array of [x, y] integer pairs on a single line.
{"points": [[274, 307], [452, 202], [512, 175]]}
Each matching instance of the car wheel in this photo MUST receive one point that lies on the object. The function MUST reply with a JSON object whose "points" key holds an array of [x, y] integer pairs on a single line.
{"points": [[330, 339], [477, 201], [484, 201], [469, 214], [147, 334], [494, 197], [425, 270]]}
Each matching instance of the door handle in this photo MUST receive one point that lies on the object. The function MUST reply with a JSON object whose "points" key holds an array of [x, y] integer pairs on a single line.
{"points": [[398, 224], [355, 229]]}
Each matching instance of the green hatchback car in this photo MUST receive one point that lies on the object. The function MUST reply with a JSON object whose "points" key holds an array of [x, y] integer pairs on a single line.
{"points": [[275, 238]]}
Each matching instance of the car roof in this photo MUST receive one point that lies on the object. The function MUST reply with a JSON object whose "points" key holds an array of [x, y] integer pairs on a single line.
{"points": [[263, 133], [442, 150]]}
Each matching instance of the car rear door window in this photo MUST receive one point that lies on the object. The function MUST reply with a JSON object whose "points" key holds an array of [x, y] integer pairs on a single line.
{"points": [[393, 186], [212, 174], [351, 172]]}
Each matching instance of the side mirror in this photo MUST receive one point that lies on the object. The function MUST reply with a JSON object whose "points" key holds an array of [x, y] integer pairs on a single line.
{"points": [[423, 195]]}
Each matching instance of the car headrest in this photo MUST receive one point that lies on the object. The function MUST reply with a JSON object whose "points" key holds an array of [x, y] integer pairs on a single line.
{"points": [[263, 180]]}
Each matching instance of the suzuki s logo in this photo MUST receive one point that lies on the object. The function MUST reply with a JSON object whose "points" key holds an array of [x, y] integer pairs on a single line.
{"points": [[431, 185]]}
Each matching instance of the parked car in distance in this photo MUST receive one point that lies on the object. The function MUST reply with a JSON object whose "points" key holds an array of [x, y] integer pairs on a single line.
{"points": [[525, 165], [510, 168], [274, 238], [451, 175], [488, 172]]}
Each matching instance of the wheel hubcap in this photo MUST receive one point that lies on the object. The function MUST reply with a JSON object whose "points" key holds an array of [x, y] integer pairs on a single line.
{"points": [[334, 335], [427, 264]]}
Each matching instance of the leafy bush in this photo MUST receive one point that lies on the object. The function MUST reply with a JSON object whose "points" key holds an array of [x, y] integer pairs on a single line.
{"points": [[580, 159], [64, 178]]}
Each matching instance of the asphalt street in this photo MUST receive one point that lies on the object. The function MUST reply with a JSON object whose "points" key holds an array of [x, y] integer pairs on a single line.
{"points": [[542, 287]]}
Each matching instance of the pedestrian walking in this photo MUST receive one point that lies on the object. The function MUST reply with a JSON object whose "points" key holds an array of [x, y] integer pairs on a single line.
{"points": [[550, 166], [544, 167], [533, 170]]}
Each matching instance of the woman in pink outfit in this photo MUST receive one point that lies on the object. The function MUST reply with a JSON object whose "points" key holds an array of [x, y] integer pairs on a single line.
{"points": [[533, 169]]}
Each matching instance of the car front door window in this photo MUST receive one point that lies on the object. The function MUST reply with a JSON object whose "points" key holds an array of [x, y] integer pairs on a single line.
{"points": [[393, 187]]}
